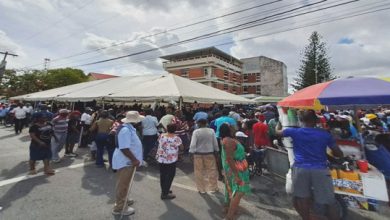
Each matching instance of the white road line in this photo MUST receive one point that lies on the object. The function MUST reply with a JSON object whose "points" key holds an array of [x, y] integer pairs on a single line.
{"points": [[179, 185], [221, 185], [26, 177]]}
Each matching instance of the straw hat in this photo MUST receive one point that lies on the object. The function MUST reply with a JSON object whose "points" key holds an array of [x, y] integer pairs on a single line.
{"points": [[132, 117]]}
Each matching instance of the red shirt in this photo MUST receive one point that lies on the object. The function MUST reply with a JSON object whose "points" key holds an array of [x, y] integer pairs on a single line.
{"points": [[260, 134]]}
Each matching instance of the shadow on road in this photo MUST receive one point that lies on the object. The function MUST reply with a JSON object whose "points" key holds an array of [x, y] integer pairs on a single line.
{"points": [[20, 168], [175, 212], [7, 136], [215, 208], [20, 190], [25, 138], [99, 184]]}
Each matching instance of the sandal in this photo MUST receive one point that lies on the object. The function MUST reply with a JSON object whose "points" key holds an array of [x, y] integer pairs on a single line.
{"points": [[50, 172], [32, 172]]}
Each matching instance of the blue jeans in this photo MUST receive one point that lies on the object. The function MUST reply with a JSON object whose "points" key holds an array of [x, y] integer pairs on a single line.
{"points": [[102, 141], [258, 157]]}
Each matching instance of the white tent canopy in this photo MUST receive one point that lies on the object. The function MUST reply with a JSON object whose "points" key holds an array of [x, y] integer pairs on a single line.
{"points": [[138, 88]]}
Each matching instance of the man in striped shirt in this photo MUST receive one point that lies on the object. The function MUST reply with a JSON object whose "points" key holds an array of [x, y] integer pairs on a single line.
{"points": [[60, 130]]}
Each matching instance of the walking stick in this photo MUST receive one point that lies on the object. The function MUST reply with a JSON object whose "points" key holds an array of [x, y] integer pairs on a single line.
{"points": [[128, 191], [81, 135]]}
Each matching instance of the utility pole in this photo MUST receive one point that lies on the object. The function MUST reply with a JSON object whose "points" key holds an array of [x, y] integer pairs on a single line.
{"points": [[46, 64], [3, 63]]}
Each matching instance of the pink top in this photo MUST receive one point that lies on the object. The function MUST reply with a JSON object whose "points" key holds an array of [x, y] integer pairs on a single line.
{"points": [[168, 149]]}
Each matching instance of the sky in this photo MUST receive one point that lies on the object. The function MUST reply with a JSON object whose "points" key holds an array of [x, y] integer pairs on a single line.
{"points": [[73, 33]]}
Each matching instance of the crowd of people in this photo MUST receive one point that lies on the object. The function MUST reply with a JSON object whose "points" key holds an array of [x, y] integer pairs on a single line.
{"points": [[224, 143]]}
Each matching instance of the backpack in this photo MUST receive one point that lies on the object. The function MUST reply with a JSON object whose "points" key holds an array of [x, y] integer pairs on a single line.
{"points": [[118, 129]]}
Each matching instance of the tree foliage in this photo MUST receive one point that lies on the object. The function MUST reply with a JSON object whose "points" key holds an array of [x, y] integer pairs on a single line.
{"points": [[22, 82], [315, 66]]}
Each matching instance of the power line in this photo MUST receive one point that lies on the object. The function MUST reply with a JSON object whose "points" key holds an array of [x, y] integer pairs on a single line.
{"points": [[221, 32], [332, 6], [168, 30], [206, 35], [58, 21], [324, 21], [191, 32]]}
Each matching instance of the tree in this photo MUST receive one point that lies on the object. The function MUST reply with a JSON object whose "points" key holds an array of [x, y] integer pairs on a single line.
{"points": [[315, 67], [62, 77], [28, 81]]}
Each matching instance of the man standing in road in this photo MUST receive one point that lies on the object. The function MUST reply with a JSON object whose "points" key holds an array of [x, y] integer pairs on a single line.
{"points": [[86, 120], [20, 115], [310, 175], [127, 156], [261, 142], [60, 132], [29, 111], [149, 132]]}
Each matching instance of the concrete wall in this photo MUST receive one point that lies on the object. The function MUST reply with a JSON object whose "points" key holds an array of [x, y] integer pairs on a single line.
{"points": [[265, 76]]}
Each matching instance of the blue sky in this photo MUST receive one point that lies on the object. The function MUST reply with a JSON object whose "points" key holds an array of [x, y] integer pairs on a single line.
{"points": [[38, 29]]}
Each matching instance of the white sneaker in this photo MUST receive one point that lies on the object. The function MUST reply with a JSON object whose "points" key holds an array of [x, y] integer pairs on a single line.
{"points": [[57, 161], [127, 212]]}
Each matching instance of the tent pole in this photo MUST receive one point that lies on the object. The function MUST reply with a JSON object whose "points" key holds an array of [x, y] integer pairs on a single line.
{"points": [[103, 104], [359, 128], [180, 103]]}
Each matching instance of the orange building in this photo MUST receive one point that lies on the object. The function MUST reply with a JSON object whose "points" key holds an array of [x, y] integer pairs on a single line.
{"points": [[258, 76], [209, 66]]}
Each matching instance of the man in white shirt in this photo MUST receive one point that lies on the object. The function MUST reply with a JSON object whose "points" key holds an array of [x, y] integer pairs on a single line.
{"points": [[86, 120], [127, 156], [20, 115], [149, 132], [29, 110]]}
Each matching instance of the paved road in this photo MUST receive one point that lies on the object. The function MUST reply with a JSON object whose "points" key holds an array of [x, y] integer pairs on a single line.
{"points": [[79, 190]]}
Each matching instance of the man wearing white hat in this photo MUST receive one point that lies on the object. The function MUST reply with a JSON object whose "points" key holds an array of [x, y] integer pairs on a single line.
{"points": [[126, 158]]}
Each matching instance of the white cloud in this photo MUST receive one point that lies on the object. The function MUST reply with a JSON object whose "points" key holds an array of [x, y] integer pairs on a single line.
{"points": [[106, 22], [136, 43], [7, 44]]}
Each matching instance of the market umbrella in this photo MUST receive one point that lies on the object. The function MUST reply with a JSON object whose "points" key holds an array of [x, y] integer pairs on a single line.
{"points": [[351, 91]]}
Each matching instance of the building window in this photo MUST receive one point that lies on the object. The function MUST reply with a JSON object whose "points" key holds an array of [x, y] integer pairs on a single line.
{"points": [[225, 74], [184, 73], [225, 87], [258, 89], [206, 71], [258, 77], [245, 78]]}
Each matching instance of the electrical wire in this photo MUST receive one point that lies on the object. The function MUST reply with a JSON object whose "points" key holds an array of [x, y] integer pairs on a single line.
{"points": [[165, 31], [320, 22]]}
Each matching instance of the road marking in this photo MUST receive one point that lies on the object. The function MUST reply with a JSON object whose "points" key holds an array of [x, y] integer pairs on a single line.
{"points": [[221, 185], [179, 185], [26, 177]]}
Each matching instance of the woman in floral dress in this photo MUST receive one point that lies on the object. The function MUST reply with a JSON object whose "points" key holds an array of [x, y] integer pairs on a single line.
{"points": [[235, 169]]}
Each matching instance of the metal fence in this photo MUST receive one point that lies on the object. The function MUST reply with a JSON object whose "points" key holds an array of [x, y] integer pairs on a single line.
{"points": [[277, 162]]}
